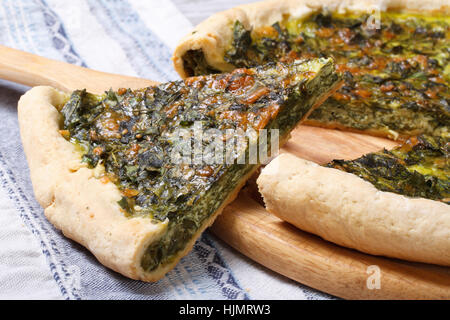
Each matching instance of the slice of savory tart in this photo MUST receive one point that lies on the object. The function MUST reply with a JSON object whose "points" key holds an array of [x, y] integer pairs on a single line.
{"points": [[393, 203], [394, 56], [134, 175]]}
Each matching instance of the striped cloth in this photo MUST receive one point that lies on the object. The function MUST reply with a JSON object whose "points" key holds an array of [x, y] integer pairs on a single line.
{"points": [[130, 37]]}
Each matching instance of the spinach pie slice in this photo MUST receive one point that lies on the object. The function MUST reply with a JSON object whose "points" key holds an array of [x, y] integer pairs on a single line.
{"points": [[120, 172], [394, 56]]}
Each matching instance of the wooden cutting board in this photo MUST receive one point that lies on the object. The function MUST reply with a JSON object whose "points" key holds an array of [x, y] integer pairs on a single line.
{"points": [[249, 228], [245, 224]]}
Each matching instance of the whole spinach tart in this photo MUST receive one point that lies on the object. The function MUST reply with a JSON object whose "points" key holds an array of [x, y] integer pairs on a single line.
{"points": [[394, 58], [136, 176]]}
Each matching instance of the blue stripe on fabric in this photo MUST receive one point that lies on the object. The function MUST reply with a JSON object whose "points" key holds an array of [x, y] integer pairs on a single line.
{"points": [[218, 269], [60, 40], [11, 26], [25, 19], [147, 54], [32, 26], [11, 10], [33, 220], [21, 23]]}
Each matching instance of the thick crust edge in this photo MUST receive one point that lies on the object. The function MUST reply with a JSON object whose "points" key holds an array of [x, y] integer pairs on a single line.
{"points": [[343, 208], [214, 35]]}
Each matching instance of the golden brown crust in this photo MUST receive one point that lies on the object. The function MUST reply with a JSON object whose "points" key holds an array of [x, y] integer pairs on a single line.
{"points": [[349, 211], [213, 36]]}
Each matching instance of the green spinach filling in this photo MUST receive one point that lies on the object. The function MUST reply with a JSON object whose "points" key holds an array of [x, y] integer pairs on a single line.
{"points": [[135, 136], [195, 64], [396, 84], [396, 74], [419, 168]]}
